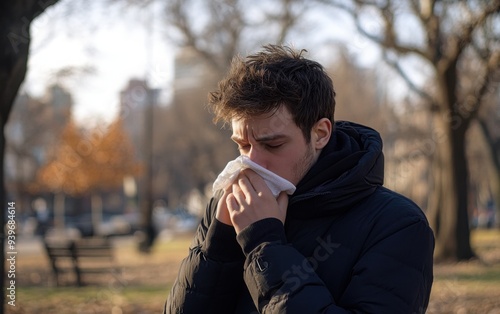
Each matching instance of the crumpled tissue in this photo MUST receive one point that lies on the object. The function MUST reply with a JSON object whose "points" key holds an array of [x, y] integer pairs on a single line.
{"points": [[275, 183]]}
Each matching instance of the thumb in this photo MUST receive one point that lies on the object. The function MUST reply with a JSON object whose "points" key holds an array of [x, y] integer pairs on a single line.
{"points": [[222, 213], [282, 202]]}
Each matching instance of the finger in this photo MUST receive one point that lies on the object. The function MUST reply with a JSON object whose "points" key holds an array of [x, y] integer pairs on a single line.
{"points": [[257, 182], [225, 193], [245, 185], [231, 203], [238, 194]]}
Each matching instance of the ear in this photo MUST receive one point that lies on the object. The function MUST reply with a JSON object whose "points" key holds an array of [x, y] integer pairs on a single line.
{"points": [[321, 133]]}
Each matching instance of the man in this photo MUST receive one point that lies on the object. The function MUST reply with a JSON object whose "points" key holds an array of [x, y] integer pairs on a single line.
{"points": [[342, 243]]}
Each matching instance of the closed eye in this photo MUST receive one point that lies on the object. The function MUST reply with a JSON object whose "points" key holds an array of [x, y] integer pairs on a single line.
{"points": [[273, 146]]}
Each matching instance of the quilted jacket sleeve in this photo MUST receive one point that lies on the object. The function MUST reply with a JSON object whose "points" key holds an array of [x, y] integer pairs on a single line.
{"points": [[214, 258], [391, 277]]}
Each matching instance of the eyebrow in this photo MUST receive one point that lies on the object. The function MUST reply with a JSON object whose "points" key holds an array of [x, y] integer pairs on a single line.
{"points": [[264, 138]]}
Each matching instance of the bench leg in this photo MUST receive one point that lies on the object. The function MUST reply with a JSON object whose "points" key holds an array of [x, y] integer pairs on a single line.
{"points": [[79, 279]]}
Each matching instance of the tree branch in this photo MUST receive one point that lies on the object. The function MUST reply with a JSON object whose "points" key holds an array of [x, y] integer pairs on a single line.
{"points": [[481, 90], [389, 40], [179, 18], [461, 41], [397, 67], [287, 18]]}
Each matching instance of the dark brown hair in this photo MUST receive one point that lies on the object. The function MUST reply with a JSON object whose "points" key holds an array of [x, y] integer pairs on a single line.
{"points": [[275, 76]]}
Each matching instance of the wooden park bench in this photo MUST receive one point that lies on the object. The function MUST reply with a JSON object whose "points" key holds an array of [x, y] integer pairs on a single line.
{"points": [[92, 256]]}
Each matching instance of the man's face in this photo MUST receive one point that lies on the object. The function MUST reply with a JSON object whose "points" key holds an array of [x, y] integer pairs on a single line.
{"points": [[276, 143]]}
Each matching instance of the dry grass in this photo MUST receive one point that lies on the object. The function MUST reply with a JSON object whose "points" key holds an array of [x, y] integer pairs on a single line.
{"points": [[470, 287], [460, 288]]}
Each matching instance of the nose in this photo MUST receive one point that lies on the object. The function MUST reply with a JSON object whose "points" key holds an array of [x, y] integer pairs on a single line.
{"points": [[257, 156]]}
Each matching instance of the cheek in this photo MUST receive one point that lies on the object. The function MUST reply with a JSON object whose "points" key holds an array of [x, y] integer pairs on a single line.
{"points": [[282, 166], [292, 164], [285, 169]]}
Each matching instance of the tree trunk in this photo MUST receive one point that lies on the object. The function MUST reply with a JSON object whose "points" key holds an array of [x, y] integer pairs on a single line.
{"points": [[448, 212], [460, 185]]}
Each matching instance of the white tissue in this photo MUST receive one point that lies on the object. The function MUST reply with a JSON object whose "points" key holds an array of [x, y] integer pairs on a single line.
{"points": [[275, 183]]}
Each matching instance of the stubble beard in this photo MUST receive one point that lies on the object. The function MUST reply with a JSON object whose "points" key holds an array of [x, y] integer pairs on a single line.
{"points": [[304, 164]]}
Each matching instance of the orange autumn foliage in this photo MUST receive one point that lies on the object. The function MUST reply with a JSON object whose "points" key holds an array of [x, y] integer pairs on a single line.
{"points": [[84, 163]]}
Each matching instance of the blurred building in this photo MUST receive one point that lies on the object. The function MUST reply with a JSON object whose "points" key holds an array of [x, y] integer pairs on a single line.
{"points": [[60, 104], [135, 99], [190, 72]]}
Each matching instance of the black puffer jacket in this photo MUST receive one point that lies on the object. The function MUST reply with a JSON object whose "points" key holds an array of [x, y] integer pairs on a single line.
{"points": [[348, 245]]}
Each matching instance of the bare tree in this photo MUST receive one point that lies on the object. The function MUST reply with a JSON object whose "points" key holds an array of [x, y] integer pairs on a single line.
{"points": [[452, 32]]}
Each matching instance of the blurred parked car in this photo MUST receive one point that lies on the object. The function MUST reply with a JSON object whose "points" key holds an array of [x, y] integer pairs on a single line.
{"points": [[178, 219]]}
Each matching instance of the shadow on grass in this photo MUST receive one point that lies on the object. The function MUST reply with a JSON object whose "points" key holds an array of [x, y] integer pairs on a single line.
{"points": [[490, 276]]}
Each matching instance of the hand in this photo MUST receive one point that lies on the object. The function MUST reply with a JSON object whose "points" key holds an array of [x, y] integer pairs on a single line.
{"points": [[222, 214], [251, 201]]}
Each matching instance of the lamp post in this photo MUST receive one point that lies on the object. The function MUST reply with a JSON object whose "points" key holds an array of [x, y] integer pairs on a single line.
{"points": [[147, 228]]}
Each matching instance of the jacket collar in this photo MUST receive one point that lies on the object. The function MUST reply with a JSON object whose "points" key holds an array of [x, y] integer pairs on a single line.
{"points": [[348, 169]]}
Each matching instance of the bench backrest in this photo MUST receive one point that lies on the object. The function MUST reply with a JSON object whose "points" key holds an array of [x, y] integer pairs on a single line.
{"points": [[79, 256]]}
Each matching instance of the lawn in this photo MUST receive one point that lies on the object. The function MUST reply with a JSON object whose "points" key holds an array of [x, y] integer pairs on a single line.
{"points": [[459, 288]]}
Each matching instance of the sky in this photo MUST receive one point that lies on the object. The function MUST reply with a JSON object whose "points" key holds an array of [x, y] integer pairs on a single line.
{"points": [[118, 49]]}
